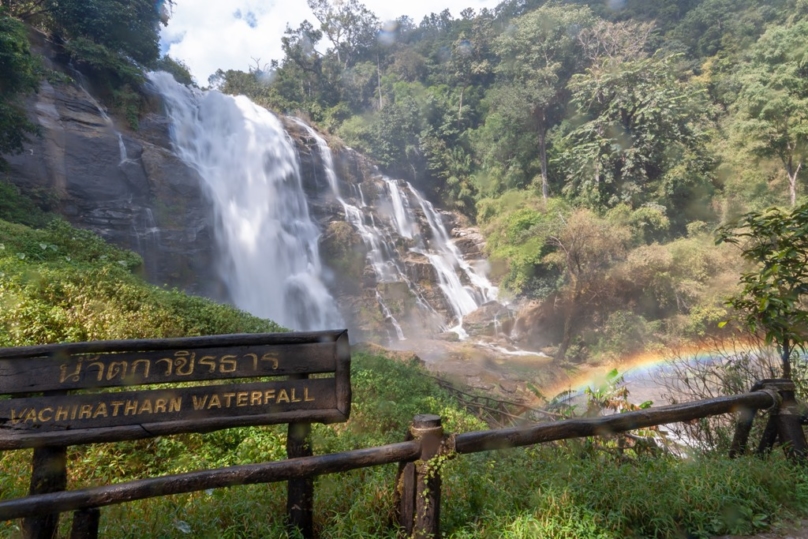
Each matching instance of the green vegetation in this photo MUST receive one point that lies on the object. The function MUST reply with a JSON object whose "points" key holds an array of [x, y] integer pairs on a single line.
{"points": [[58, 283], [774, 293], [621, 132], [19, 75], [567, 491]]}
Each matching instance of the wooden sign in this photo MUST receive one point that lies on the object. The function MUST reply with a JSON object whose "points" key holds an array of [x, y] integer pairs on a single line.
{"points": [[55, 397]]}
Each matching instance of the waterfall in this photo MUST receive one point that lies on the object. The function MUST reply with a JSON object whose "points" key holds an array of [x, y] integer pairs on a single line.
{"points": [[401, 215], [379, 253], [442, 253], [269, 242], [449, 258], [79, 80]]}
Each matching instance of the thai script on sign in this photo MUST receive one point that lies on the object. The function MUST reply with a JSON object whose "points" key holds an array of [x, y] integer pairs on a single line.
{"points": [[180, 363]]}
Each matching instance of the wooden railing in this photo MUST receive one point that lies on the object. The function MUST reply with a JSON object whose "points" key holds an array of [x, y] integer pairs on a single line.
{"points": [[417, 487]]}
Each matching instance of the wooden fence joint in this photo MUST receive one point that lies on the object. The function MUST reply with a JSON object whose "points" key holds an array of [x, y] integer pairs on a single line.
{"points": [[429, 430], [786, 420]]}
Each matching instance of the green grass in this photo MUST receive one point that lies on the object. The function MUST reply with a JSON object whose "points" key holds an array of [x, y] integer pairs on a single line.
{"points": [[61, 284], [566, 491]]}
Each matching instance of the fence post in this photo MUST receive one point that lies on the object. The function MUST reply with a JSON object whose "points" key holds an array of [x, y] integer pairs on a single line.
{"points": [[85, 524], [743, 426], [48, 474], [404, 497], [787, 419], [429, 430], [300, 492], [419, 483]]}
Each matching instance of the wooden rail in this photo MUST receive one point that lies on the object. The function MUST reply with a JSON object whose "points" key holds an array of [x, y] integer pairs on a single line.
{"points": [[417, 488], [474, 442], [270, 472]]}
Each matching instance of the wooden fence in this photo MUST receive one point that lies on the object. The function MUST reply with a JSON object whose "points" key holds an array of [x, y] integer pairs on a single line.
{"points": [[417, 488]]}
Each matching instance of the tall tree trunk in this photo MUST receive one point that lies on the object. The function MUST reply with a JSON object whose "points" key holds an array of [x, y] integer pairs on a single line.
{"points": [[569, 320], [785, 357], [379, 76], [541, 124], [460, 108], [792, 181]]}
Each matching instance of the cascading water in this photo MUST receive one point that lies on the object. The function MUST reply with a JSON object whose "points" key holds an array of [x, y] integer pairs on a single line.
{"points": [[482, 290], [441, 252], [378, 255], [401, 215], [271, 261], [121, 146]]}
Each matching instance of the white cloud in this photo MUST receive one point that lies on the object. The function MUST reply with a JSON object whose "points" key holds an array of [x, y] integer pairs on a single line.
{"points": [[212, 34]]}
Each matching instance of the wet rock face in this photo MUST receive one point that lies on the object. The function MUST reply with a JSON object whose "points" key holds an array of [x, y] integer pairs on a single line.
{"points": [[131, 189], [492, 320], [536, 325], [127, 187]]}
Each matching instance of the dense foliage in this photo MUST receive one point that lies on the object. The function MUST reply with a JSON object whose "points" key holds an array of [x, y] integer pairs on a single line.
{"points": [[587, 139], [573, 490], [19, 75], [774, 294], [624, 130], [108, 43]]}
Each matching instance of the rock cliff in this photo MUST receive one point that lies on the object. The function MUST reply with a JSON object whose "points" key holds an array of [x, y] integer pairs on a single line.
{"points": [[379, 237]]}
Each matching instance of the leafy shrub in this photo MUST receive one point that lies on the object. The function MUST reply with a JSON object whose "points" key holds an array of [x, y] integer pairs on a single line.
{"points": [[16, 207]]}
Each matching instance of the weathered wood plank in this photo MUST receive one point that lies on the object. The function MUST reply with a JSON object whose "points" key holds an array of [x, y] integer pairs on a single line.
{"points": [[343, 374], [63, 371], [25, 439], [114, 409], [473, 442], [271, 401], [48, 474], [240, 339], [270, 472], [300, 491], [85, 524]]}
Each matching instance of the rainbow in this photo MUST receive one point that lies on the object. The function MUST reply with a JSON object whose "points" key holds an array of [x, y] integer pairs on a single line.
{"points": [[646, 363]]}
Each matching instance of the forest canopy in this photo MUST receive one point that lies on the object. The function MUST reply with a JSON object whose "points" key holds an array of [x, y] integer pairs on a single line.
{"points": [[595, 144], [596, 147]]}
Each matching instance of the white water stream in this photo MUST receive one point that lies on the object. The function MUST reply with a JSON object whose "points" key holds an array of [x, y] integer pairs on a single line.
{"points": [[269, 241], [271, 261], [441, 252]]}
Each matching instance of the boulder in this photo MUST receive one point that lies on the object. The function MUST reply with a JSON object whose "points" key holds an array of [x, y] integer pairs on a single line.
{"points": [[487, 320]]}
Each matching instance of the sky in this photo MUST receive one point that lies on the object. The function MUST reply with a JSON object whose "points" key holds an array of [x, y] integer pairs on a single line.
{"points": [[211, 34]]}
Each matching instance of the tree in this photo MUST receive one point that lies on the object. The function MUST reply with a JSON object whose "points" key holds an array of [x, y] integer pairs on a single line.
{"points": [[638, 137], [586, 247], [19, 75], [774, 297], [620, 41], [348, 25], [538, 55], [126, 27], [772, 106]]}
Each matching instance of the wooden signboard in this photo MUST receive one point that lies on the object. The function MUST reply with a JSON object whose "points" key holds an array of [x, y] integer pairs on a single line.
{"points": [[67, 394]]}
